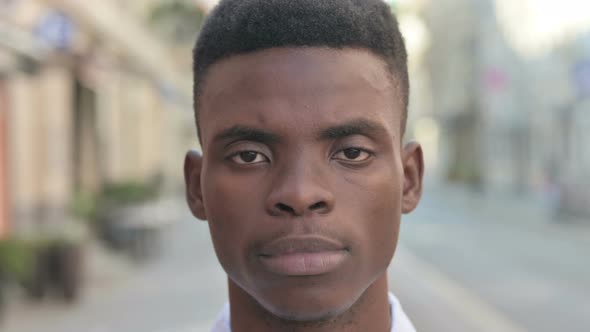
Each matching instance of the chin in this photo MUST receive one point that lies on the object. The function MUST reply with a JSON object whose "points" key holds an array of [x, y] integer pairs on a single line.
{"points": [[305, 315], [315, 307]]}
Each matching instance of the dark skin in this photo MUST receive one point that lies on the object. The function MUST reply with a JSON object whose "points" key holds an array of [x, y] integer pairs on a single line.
{"points": [[304, 143]]}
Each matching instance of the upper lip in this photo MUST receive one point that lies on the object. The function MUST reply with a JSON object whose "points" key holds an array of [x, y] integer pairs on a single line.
{"points": [[300, 244]]}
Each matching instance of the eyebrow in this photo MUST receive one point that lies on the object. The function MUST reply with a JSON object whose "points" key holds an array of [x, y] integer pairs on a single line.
{"points": [[246, 134], [355, 127]]}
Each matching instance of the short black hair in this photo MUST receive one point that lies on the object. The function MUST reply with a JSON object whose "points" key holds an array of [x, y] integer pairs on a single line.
{"points": [[237, 27]]}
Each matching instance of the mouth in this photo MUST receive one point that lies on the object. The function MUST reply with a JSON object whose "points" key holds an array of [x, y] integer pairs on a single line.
{"points": [[303, 256]]}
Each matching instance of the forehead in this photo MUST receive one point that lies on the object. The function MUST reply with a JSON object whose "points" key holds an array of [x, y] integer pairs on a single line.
{"points": [[298, 84]]}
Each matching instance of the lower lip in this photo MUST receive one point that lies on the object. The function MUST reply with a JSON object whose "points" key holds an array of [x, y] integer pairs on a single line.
{"points": [[304, 264]]}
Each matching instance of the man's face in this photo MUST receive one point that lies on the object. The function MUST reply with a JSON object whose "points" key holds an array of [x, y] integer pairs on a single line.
{"points": [[302, 175]]}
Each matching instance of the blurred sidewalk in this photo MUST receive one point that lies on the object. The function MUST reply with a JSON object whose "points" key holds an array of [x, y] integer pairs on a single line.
{"points": [[106, 271]]}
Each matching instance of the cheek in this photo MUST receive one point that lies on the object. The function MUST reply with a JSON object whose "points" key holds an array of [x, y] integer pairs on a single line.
{"points": [[232, 214], [384, 221], [376, 210]]}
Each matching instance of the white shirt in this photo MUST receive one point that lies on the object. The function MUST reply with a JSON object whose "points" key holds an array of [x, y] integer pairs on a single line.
{"points": [[400, 321]]}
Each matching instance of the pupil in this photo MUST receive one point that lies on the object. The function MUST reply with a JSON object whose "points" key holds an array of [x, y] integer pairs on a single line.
{"points": [[352, 153], [248, 156]]}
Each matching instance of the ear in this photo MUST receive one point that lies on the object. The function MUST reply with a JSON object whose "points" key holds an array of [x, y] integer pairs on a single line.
{"points": [[413, 163], [193, 165]]}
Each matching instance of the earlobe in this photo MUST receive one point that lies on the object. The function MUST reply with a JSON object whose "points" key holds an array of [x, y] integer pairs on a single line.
{"points": [[413, 163], [193, 163]]}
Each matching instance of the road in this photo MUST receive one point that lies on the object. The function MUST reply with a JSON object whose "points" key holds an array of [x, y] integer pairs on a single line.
{"points": [[460, 267], [531, 269]]}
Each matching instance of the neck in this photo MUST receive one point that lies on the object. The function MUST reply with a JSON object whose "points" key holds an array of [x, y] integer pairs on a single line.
{"points": [[370, 313]]}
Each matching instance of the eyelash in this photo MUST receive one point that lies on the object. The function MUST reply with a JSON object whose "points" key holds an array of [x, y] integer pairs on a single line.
{"points": [[238, 153], [361, 150]]}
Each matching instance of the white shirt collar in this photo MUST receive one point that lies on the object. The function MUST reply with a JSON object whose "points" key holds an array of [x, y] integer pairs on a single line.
{"points": [[400, 321]]}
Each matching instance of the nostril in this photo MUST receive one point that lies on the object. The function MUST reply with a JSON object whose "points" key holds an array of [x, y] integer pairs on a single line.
{"points": [[318, 206], [285, 208]]}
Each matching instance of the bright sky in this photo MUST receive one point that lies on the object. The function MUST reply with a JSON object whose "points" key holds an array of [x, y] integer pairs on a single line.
{"points": [[533, 26]]}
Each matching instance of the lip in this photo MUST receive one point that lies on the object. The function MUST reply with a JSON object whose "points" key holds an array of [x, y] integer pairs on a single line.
{"points": [[303, 256]]}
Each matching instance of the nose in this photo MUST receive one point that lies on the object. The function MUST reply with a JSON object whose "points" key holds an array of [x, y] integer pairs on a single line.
{"points": [[299, 190]]}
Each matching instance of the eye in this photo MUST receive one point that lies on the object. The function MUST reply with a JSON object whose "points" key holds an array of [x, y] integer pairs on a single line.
{"points": [[248, 157], [352, 154]]}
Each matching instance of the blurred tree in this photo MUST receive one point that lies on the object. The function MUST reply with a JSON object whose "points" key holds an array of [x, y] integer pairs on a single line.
{"points": [[176, 21]]}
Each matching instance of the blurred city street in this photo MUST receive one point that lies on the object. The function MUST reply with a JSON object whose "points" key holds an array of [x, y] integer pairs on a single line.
{"points": [[518, 267], [463, 265], [96, 116]]}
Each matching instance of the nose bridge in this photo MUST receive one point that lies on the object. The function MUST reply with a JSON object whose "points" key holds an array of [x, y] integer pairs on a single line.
{"points": [[300, 187]]}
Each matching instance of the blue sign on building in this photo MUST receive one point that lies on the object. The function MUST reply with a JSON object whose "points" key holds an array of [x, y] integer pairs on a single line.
{"points": [[56, 29], [581, 76]]}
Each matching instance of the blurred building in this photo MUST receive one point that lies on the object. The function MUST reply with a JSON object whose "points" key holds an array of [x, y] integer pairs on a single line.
{"points": [[450, 62], [510, 94], [88, 96]]}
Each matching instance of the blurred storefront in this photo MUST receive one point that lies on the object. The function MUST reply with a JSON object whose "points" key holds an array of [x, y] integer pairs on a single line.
{"points": [[89, 98], [4, 198], [94, 109]]}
